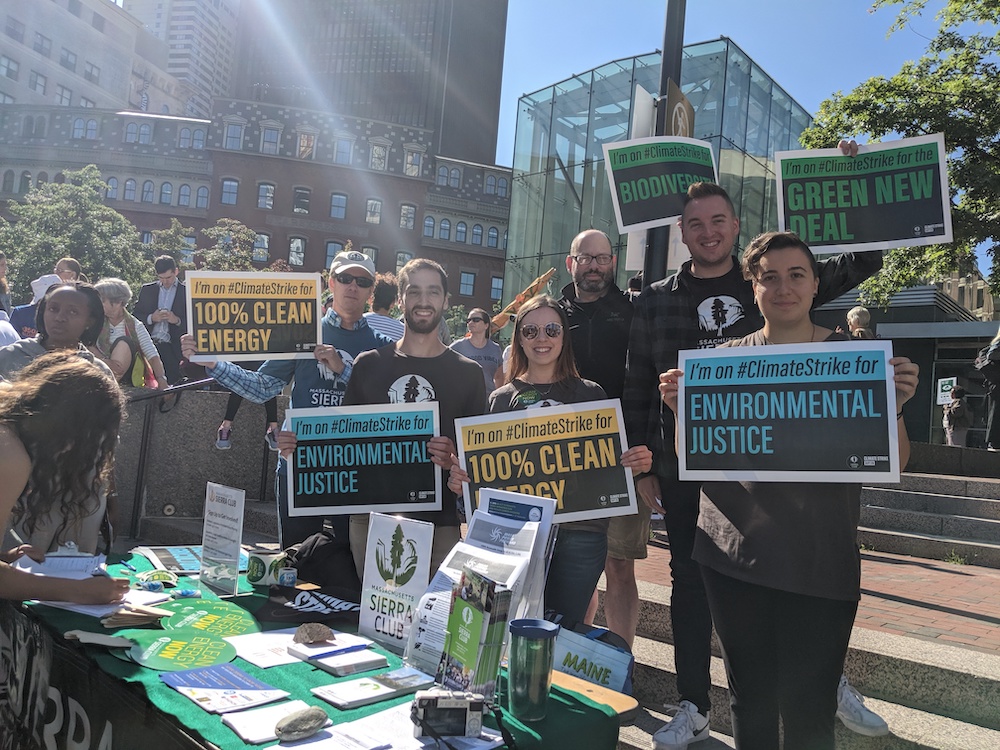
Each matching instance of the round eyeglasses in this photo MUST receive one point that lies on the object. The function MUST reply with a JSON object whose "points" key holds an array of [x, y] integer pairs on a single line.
{"points": [[551, 330]]}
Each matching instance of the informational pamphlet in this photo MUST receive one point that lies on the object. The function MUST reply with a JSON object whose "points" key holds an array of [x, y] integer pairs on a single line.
{"points": [[361, 692], [222, 538], [222, 688], [257, 725]]}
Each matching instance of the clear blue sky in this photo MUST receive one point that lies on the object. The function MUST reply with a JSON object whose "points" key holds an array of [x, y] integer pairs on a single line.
{"points": [[812, 49]]}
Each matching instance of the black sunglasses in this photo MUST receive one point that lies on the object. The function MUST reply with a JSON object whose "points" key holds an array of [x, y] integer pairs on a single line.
{"points": [[552, 330], [364, 282]]}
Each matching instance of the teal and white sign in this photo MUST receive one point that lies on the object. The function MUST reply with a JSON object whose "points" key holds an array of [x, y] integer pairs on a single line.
{"points": [[944, 386]]}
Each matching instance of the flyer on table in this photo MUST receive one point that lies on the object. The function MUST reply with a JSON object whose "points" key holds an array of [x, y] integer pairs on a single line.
{"points": [[241, 317], [570, 452], [355, 459], [649, 178], [890, 195], [788, 413]]}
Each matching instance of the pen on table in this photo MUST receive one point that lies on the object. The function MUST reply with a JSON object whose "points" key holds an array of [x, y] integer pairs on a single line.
{"points": [[128, 565]]}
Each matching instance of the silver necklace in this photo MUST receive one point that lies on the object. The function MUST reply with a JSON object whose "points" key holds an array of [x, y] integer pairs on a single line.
{"points": [[543, 392]]}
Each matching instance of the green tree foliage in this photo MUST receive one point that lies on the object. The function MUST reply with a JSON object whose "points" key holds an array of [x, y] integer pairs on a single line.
{"points": [[172, 242], [953, 88], [455, 317], [232, 249], [69, 219]]}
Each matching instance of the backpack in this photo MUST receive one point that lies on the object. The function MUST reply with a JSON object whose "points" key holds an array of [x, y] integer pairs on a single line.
{"points": [[326, 561]]}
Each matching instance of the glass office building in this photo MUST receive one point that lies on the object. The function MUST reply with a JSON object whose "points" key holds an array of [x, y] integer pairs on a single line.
{"points": [[559, 183]]}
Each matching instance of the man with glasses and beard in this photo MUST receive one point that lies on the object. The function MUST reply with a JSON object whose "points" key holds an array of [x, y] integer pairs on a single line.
{"points": [[315, 382], [419, 367]]}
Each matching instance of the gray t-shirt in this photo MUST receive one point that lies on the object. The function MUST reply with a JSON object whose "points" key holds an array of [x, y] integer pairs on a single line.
{"points": [[489, 357]]}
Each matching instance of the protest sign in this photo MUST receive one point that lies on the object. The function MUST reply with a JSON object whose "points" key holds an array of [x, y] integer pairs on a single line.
{"points": [[788, 413], [222, 537], [570, 452], [240, 317], [351, 459], [890, 195], [649, 178]]}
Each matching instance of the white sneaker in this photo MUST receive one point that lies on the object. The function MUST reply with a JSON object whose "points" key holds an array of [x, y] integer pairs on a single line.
{"points": [[856, 716], [687, 725]]}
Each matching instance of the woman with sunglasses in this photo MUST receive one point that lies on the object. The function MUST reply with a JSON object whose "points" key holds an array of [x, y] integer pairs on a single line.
{"points": [[543, 373], [478, 346], [780, 560]]}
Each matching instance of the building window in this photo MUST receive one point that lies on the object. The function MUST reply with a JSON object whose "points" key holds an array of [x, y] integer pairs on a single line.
{"points": [[64, 96], [338, 206], [166, 193], [184, 195], [455, 178], [198, 139], [36, 82], [9, 68], [296, 251], [131, 133], [269, 140], [74, 7], [92, 73], [373, 211], [332, 248], [184, 138], [505, 239], [145, 133], [460, 231], [477, 234], [201, 198], [147, 191], [87, 103], [129, 194], [265, 196], [98, 22], [91, 130], [442, 176], [428, 226], [467, 284], [260, 248], [496, 288], [43, 177], [112, 193], [187, 254], [372, 253], [6, 98], [444, 231], [378, 159], [25, 185], [79, 128], [492, 237], [8, 182], [68, 60], [343, 149], [414, 160], [234, 137], [307, 146], [491, 185], [407, 216], [300, 201], [402, 258], [230, 190], [502, 187], [15, 29], [146, 238], [42, 45]]}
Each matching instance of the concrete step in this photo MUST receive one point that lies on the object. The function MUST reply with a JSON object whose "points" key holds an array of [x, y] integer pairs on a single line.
{"points": [[947, 484], [937, 524], [166, 530], [930, 502], [930, 546]]}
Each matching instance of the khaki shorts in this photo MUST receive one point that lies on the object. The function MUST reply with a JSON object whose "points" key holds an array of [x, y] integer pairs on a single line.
{"points": [[445, 537], [627, 535]]}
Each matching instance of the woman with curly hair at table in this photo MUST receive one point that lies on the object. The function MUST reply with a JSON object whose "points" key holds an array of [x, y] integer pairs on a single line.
{"points": [[59, 422]]}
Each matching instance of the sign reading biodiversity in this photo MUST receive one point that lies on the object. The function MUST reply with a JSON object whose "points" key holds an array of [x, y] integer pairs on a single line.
{"points": [[890, 195], [240, 317], [353, 459], [649, 178], [570, 453], [788, 413]]}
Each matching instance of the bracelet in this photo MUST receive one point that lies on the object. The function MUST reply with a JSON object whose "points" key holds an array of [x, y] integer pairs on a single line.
{"points": [[899, 415]]}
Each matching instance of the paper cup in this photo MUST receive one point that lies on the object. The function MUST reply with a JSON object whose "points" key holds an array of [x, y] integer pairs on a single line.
{"points": [[264, 566]]}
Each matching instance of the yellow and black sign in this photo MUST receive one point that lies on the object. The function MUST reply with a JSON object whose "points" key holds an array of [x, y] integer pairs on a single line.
{"points": [[571, 453], [242, 317]]}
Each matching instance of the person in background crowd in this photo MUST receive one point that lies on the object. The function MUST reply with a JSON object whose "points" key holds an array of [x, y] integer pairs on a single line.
{"points": [[957, 418], [224, 436], [59, 423], [991, 380], [385, 295], [780, 560], [162, 307], [478, 347], [7, 333], [4, 287], [124, 344], [69, 269], [858, 320], [23, 316]]}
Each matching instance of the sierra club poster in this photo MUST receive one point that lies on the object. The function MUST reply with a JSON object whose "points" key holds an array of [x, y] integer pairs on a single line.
{"points": [[353, 459], [890, 195], [570, 452], [242, 317], [649, 178], [788, 413]]}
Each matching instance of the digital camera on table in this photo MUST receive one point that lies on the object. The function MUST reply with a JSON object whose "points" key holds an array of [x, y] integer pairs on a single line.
{"points": [[449, 713]]}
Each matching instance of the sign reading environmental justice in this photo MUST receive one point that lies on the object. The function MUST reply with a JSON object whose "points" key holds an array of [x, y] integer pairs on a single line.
{"points": [[649, 178], [240, 317], [352, 459], [788, 413], [889, 195]]}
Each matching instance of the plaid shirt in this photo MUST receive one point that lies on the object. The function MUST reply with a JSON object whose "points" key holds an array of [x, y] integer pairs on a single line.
{"points": [[666, 320]]}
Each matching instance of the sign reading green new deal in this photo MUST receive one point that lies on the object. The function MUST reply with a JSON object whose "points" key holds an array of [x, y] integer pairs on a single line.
{"points": [[788, 413], [650, 176], [354, 459], [890, 195]]}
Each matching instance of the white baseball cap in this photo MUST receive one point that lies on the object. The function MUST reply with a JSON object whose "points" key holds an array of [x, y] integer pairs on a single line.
{"points": [[352, 259], [41, 285]]}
